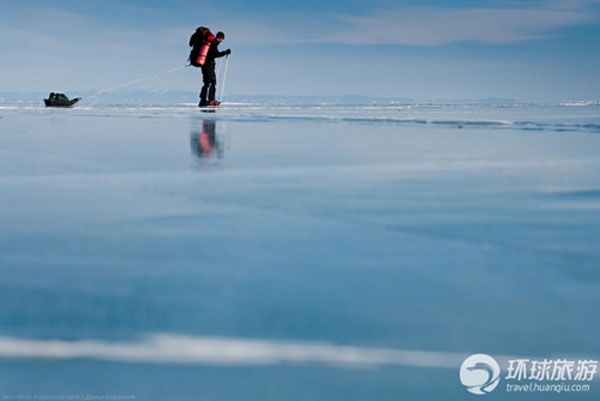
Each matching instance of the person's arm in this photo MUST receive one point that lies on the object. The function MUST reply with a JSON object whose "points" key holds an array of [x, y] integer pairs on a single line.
{"points": [[219, 54]]}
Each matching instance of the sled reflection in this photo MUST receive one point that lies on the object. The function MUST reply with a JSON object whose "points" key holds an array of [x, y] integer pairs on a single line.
{"points": [[204, 141]]}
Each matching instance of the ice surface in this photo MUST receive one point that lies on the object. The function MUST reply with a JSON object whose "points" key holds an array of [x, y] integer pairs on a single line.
{"points": [[438, 228]]}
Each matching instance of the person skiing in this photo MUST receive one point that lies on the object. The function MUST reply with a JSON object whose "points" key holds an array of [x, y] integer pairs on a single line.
{"points": [[209, 77]]}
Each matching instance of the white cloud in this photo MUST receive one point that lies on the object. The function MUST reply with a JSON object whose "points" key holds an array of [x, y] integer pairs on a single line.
{"points": [[571, 4], [431, 27], [30, 38], [422, 26]]}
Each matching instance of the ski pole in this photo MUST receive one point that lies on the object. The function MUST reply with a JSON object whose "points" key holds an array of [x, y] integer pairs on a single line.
{"points": [[224, 78]]}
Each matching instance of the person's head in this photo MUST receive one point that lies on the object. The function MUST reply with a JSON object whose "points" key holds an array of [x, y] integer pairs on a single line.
{"points": [[220, 37]]}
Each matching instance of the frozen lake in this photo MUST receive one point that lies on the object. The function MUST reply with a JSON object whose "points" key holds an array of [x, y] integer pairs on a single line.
{"points": [[294, 253]]}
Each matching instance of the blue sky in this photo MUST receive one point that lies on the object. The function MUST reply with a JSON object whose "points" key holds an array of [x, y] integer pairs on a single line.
{"points": [[528, 50]]}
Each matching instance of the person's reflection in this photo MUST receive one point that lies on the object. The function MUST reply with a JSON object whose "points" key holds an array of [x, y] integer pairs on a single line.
{"points": [[204, 140]]}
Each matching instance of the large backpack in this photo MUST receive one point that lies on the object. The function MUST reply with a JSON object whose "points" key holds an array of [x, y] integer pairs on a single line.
{"points": [[200, 42]]}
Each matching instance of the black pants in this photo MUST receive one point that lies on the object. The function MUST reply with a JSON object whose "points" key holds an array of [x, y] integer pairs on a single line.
{"points": [[209, 77]]}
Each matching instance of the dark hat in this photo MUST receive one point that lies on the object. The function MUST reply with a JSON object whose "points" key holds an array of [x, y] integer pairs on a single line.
{"points": [[220, 35]]}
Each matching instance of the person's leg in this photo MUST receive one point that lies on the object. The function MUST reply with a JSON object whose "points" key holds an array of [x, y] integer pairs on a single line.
{"points": [[207, 81], [212, 76], [203, 93], [212, 91]]}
